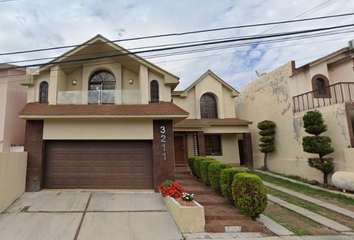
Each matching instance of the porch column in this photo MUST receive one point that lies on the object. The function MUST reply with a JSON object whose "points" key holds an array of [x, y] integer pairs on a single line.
{"points": [[34, 145], [163, 152], [201, 143], [247, 144]]}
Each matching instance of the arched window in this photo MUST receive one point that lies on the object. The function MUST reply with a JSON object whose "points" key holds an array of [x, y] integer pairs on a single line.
{"points": [[320, 86], [102, 87], [43, 92], [154, 91], [208, 106]]}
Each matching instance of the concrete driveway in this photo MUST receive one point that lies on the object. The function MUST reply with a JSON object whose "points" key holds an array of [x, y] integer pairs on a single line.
{"points": [[76, 215]]}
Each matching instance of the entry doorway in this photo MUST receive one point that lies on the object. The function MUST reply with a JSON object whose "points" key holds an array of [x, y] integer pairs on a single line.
{"points": [[181, 153]]}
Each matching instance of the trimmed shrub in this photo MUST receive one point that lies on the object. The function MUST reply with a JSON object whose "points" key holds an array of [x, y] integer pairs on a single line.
{"points": [[321, 145], [204, 172], [191, 164], [226, 179], [197, 162], [249, 194], [214, 174]]}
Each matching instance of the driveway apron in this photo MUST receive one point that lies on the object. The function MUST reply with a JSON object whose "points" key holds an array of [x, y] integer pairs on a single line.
{"points": [[76, 215]]}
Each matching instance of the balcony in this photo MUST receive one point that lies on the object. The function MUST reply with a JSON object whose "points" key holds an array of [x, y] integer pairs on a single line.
{"points": [[99, 97], [336, 93]]}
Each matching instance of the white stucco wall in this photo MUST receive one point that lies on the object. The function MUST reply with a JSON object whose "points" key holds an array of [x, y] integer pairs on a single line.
{"points": [[101, 129], [13, 168], [191, 103], [270, 98]]}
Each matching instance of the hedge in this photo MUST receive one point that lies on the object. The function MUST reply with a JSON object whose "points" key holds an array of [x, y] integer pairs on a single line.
{"points": [[204, 172], [197, 162], [226, 179], [214, 174], [249, 194], [191, 164]]}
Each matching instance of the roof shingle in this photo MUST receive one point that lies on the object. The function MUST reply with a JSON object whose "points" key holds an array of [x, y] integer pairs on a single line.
{"points": [[162, 108]]}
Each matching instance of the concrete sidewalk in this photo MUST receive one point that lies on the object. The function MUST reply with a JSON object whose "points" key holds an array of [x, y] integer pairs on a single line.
{"points": [[75, 215], [258, 236]]}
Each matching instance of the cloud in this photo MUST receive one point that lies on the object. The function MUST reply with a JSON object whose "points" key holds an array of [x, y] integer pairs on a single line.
{"points": [[38, 24]]}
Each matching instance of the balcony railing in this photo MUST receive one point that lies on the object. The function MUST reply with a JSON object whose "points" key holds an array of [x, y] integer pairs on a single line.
{"points": [[99, 97], [336, 93]]}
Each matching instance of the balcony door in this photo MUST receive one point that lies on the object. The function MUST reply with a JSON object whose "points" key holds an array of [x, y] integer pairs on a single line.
{"points": [[102, 88]]}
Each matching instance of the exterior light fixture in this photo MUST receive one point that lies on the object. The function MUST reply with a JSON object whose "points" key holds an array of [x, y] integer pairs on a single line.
{"points": [[130, 81], [74, 82]]}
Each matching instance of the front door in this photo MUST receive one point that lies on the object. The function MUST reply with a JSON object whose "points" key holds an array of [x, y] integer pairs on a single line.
{"points": [[181, 153]]}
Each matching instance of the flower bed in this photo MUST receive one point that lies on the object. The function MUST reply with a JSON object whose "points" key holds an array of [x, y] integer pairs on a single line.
{"points": [[187, 218], [187, 213]]}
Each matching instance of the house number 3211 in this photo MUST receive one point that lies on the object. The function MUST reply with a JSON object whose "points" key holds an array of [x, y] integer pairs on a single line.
{"points": [[163, 141]]}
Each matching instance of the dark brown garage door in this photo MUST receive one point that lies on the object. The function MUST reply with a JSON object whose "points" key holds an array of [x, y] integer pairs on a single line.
{"points": [[98, 164]]}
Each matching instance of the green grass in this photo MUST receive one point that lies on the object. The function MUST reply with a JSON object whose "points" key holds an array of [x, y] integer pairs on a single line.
{"points": [[304, 189], [347, 221], [290, 225]]}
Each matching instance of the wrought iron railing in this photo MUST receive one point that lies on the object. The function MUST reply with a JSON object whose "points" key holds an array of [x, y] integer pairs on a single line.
{"points": [[337, 93], [99, 97]]}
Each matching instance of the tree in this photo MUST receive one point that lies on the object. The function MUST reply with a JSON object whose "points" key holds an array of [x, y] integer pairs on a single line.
{"points": [[267, 132], [314, 124]]}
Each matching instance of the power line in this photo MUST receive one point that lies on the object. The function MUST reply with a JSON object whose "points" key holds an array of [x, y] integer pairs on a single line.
{"points": [[195, 45], [213, 48], [180, 34], [272, 28]]}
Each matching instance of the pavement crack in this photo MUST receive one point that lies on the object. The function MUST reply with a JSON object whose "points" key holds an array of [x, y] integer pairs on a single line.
{"points": [[82, 218]]}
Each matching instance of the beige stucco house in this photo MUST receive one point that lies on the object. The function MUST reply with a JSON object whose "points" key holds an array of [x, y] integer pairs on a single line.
{"points": [[100, 116], [286, 94], [12, 99]]}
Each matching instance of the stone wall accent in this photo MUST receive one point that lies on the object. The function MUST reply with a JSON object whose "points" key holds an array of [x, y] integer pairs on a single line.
{"points": [[34, 145], [163, 152]]}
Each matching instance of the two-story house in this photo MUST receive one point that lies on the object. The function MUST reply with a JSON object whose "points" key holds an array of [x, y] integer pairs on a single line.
{"points": [[286, 94], [100, 116], [12, 99]]}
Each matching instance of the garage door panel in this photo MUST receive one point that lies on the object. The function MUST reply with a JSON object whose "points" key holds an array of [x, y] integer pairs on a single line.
{"points": [[98, 164]]}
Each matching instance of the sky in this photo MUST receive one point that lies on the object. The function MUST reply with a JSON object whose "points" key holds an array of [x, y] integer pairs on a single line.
{"points": [[37, 24]]}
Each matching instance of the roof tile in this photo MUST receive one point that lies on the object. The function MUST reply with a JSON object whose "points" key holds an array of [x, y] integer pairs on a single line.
{"points": [[162, 108]]}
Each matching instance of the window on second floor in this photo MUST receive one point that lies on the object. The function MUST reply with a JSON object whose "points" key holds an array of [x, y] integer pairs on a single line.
{"points": [[208, 106], [320, 86], [154, 91], [102, 85], [43, 92]]}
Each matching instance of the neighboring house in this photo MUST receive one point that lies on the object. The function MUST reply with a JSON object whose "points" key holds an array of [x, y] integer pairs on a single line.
{"points": [[13, 98], [286, 94], [101, 117]]}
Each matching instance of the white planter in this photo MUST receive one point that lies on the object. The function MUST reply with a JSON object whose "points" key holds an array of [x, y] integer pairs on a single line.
{"points": [[188, 219], [343, 180]]}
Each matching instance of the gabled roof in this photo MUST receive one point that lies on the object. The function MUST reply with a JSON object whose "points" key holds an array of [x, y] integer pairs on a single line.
{"points": [[332, 57], [100, 47], [234, 92]]}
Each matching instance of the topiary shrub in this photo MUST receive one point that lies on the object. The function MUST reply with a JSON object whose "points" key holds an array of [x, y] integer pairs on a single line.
{"points": [[226, 179], [267, 146], [191, 164], [197, 162], [204, 172], [214, 174], [249, 194], [321, 145]]}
